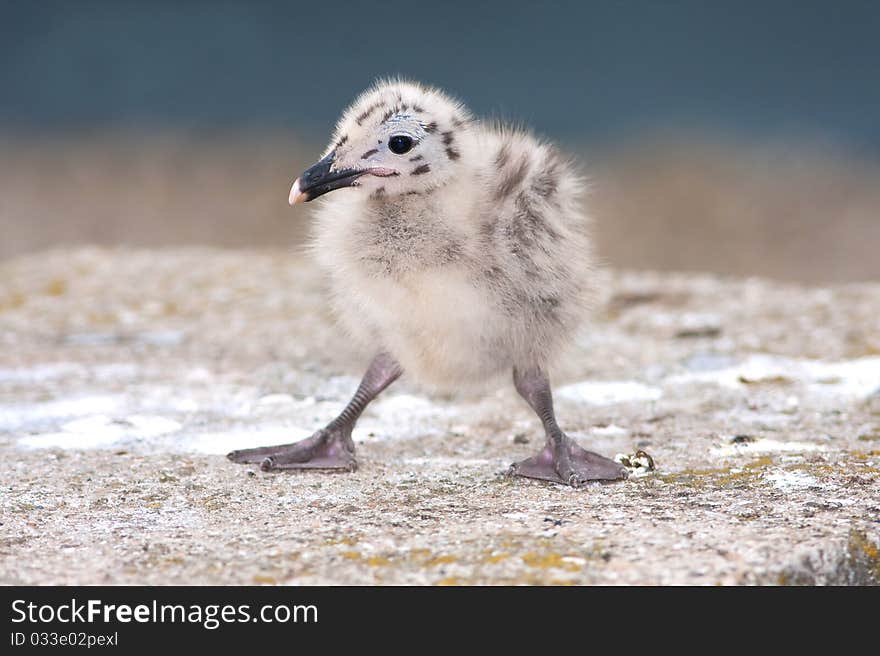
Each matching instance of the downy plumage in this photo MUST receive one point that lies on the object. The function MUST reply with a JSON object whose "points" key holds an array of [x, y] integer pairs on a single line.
{"points": [[457, 251]]}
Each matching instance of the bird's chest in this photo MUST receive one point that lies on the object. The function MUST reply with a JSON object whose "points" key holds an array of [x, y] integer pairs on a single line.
{"points": [[432, 320], [403, 242], [426, 303]]}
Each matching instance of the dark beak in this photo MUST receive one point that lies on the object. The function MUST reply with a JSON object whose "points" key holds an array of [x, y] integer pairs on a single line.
{"points": [[319, 179]]}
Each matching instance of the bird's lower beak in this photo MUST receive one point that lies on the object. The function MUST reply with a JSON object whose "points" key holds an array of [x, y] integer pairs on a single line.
{"points": [[319, 179]]}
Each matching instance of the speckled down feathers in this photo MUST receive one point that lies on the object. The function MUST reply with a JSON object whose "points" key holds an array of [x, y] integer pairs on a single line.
{"points": [[473, 266]]}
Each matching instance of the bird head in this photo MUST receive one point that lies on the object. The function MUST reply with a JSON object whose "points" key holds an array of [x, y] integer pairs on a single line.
{"points": [[396, 138]]}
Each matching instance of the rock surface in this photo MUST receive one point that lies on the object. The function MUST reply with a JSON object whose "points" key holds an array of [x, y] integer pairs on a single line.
{"points": [[126, 375]]}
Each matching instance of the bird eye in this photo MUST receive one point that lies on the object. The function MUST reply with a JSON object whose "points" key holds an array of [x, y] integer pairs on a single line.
{"points": [[400, 144]]}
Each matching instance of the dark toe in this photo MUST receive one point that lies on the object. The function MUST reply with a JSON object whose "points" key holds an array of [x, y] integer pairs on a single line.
{"points": [[242, 456]]}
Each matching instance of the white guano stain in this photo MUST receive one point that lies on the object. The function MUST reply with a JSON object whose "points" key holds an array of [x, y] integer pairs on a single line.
{"points": [[608, 392], [765, 446], [20, 417], [790, 480], [98, 431], [856, 378]]}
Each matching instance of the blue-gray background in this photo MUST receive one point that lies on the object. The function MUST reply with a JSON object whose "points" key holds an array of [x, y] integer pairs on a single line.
{"points": [[580, 69], [601, 77]]}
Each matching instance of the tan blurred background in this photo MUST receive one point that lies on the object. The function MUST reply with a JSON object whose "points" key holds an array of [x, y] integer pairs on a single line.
{"points": [[795, 213], [714, 141]]}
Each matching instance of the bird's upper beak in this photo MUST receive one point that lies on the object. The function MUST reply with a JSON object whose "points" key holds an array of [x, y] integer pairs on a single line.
{"points": [[319, 179]]}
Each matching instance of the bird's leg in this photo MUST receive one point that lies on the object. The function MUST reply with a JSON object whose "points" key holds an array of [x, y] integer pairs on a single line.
{"points": [[561, 460], [331, 447]]}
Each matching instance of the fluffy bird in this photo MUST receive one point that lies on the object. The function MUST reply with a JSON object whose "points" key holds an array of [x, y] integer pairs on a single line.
{"points": [[457, 251]]}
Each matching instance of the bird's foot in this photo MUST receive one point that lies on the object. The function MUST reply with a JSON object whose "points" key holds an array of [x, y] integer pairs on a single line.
{"points": [[568, 464], [330, 449]]}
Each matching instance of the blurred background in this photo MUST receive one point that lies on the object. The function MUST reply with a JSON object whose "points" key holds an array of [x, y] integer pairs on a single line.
{"points": [[736, 137]]}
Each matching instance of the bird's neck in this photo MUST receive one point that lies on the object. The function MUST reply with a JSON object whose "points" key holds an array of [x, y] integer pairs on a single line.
{"points": [[406, 233]]}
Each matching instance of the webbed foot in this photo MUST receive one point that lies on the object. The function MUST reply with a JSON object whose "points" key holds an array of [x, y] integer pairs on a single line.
{"points": [[568, 464], [326, 449]]}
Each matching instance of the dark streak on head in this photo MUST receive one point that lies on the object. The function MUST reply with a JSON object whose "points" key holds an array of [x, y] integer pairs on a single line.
{"points": [[416, 158], [341, 141], [447, 138], [452, 153], [546, 184], [378, 193], [431, 127], [369, 110], [502, 156], [370, 153], [513, 178], [417, 108], [457, 122], [419, 170], [391, 112]]}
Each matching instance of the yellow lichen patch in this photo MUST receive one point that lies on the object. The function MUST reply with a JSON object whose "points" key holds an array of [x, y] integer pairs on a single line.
{"points": [[763, 461], [720, 476], [440, 560], [770, 380], [545, 561], [450, 580], [864, 459], [860, 541], [13, 301], [496, 557], [861, 549], [264, 579], [858, 464], [814, 468], [372, 561], [56, 287]]}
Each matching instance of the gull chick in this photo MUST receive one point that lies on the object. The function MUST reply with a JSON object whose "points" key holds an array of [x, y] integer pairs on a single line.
{"points": [[457, 251]]}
